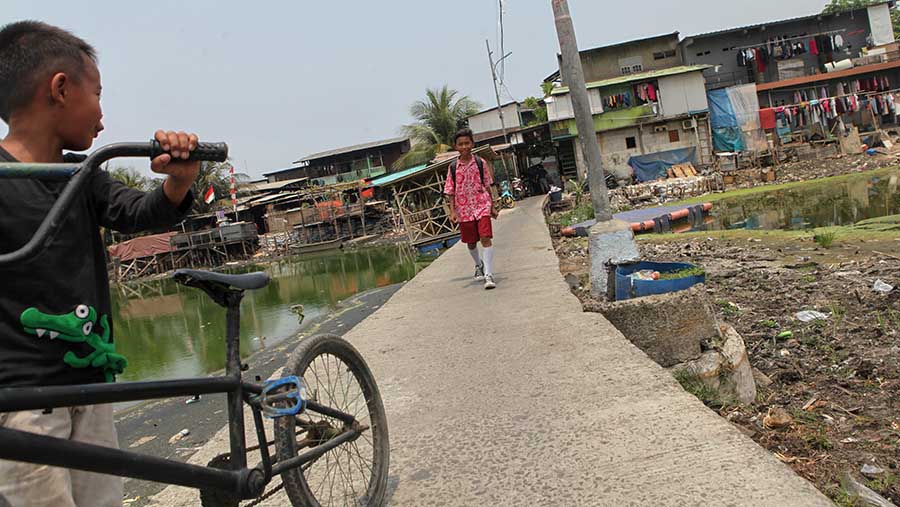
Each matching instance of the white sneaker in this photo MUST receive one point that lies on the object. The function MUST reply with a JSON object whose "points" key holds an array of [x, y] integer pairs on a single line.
{"points": [[489, 282], [479, 272]]}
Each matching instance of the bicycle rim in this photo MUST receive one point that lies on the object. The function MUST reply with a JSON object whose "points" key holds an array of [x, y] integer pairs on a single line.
{"points": [[352, 474]]}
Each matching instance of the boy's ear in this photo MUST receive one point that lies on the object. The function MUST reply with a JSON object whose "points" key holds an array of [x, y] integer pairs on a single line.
{"points": [[59, 87]]}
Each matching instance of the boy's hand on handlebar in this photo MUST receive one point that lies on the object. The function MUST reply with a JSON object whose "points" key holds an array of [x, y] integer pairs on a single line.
{"points": [[182, 173], [179, 146]]}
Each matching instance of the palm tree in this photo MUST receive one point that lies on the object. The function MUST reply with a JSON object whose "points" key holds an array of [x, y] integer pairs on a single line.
{"points": [[218, 175], [438, 117], [131, 178]]}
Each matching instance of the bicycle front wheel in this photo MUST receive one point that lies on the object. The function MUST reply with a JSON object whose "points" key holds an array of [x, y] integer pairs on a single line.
{"points": [[353, 473]]}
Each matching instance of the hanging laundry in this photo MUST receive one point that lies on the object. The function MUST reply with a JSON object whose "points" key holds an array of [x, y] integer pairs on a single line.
{"points": [[813, 47], [767, 118]]}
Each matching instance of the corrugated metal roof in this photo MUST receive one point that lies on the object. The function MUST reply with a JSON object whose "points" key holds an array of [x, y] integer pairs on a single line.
{"points": [[442, 160], [388, 178], [277, 185], [348, 149], [652, 74], [783, 21]]}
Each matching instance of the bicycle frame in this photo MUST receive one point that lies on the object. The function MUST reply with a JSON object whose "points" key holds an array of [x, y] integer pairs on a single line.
{"points": [[241, 480]]}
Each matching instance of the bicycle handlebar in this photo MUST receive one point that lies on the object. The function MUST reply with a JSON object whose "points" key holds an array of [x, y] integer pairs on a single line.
{"points": [[79, 174]]}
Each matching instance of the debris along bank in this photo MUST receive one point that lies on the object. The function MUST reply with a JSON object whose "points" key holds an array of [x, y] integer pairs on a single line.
{"points": [[828, 388]]}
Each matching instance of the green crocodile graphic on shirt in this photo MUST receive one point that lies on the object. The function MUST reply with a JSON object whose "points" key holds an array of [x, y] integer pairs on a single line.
{"points": [[78, 327]]}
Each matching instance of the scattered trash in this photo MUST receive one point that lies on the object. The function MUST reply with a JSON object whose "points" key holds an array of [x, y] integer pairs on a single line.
{"points": [[857, 490], [141, 441], [849, 440], [784, 335], [645, 274], [809, 405], [810, 315], [777, 418], [871, 471], [882, 287], [784, 352], [195, 399], [180, 435]]}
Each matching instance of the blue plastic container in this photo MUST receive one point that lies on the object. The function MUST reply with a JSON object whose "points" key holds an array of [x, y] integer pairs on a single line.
{"points": [[628, 288]]}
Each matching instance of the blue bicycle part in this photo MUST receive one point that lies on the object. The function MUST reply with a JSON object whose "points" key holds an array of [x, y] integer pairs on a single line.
{"points": [[275, 392]]}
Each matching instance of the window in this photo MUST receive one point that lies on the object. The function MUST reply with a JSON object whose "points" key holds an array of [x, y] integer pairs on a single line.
{"points": [[673, 136], [630, 143], [661, 55], [637, 68]]}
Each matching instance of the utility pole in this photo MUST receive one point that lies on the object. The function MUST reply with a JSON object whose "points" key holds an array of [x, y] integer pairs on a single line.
{"points": [[497, 90], [610, 242], [573, 74], [497, 96]]}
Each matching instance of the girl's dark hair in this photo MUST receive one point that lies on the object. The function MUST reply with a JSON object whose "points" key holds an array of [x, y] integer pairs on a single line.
{"points": [[464, 133], [31, 51]]}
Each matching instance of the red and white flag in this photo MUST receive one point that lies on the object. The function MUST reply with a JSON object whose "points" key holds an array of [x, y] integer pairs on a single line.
{"points": [[210, 195]]}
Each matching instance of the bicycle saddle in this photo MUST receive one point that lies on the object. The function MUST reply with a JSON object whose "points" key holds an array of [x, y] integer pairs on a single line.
{"points": [[247, 281]]}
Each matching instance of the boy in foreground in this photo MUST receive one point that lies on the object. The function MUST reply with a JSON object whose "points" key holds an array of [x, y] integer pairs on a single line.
{"points": [[469, 181], [50, 99]]}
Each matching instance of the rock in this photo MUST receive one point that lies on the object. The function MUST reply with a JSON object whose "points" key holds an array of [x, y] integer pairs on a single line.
{"points": [[726, 370], [777, 418], [871, 471], [668, 327], [761, 379], [572, 281]]}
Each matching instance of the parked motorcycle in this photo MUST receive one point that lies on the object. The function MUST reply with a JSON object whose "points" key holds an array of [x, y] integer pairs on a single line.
{"points": [[507, 200]]}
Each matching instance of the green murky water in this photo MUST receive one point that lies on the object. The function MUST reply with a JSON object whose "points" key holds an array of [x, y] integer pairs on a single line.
{"points": [[168, 331], [811, 205]]}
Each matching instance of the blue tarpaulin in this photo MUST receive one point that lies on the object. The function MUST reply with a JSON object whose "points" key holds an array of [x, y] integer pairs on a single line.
{"points": [[653, 166], [721, 112], [729, 139]]}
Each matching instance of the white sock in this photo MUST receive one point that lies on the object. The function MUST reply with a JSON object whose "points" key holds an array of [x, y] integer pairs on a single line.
{"points": [[475, 257], [489, 261]]}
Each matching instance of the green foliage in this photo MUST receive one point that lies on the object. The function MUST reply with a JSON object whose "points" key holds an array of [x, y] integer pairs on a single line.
{"points": [[577, 190], [682, 273], [438, 117], [540, 110], [692, 384], [825, 239], [843, 5], [547, 88], [580, 214], [218, 175], [131, 178]]}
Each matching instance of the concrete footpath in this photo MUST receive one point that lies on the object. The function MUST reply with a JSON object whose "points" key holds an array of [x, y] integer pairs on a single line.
{"points": [[516, 397]]}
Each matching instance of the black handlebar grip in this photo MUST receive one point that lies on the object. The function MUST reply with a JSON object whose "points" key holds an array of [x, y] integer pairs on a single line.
{"points": [[212, 152]]}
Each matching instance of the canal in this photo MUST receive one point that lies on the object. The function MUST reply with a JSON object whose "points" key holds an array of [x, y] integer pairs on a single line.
{"points": [[167, 330]]}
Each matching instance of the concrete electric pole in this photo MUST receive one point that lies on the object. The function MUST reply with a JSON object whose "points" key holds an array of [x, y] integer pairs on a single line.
{"points": [[573, 75], [611, 241]]}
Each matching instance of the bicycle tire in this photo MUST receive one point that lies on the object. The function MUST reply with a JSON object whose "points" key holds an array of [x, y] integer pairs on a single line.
{"points": [[296, 485]]}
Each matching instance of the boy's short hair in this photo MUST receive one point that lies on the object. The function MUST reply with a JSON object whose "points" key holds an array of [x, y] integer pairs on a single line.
{"points": [[466, 132], [29, 51]]}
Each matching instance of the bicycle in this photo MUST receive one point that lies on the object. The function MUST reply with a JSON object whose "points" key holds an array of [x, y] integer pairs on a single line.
{"points": [[316, 436]]}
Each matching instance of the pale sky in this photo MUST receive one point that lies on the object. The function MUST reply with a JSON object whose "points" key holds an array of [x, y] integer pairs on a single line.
{"points": [[278, 80]]}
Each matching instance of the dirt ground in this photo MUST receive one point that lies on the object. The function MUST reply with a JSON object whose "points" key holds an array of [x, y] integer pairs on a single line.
{"points": [[838, 379]]}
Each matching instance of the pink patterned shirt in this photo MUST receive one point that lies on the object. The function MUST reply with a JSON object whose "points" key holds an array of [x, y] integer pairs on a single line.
{"points": [[472, 199]]}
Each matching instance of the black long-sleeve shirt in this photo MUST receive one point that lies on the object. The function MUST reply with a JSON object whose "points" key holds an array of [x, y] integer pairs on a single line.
{"points": [[53, 306]]}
